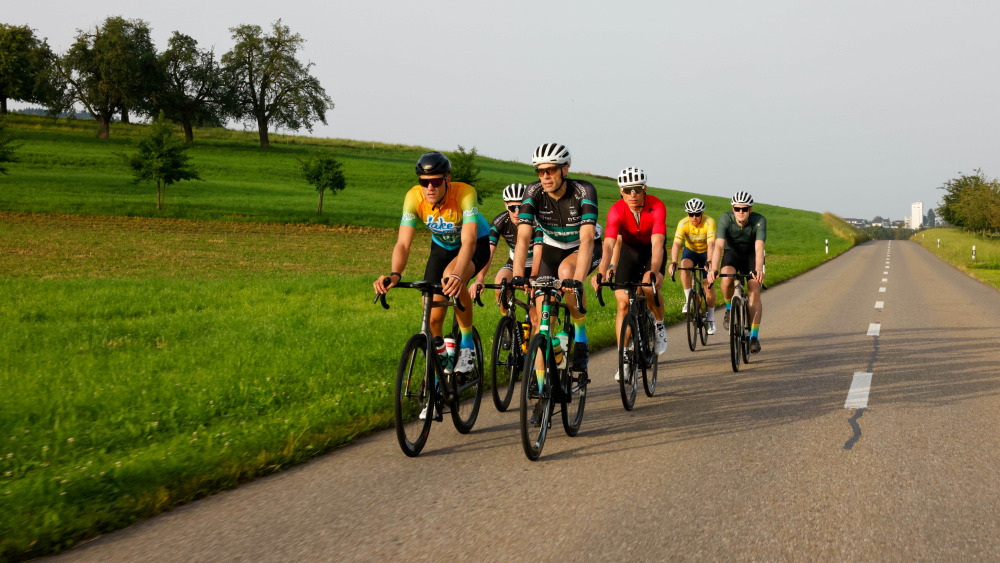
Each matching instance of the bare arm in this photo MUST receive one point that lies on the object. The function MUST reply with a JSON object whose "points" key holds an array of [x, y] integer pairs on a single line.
{"points": [[656, 260], [524, 232], [606, 259], [586, 254], [720, 244], [674, 249], [758, 247]]}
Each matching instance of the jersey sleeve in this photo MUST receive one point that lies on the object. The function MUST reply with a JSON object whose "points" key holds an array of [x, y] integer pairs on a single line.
{"points": [[526, 216], [614, 218], [411, 208], [679, 235], [588, 205], [537, 237], [470, 205], [659, 218], [761, 228], [709, 231], [495, 229]]}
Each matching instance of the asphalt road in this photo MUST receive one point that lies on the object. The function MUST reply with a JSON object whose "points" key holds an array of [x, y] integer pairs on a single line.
{"points": [[763, 465]]}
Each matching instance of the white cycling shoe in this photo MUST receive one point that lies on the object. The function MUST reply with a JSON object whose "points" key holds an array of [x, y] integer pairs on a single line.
{"points": [[711, 327], [466, 360], [684, 310], [660, 335]]}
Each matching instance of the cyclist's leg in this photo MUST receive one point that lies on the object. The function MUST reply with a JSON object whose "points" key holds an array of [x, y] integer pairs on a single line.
{"points": [[437, 262], [567, 269], [629, 271], [622, 297], [651, 300], [478, 262]]}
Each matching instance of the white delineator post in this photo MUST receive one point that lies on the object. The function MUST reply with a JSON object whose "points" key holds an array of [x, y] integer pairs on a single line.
{"points": [[973, 252], [827, 245], [939, 243]]}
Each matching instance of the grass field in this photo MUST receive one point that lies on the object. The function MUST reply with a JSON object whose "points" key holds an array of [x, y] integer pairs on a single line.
{"points": [[148, 362], [956, 249]]}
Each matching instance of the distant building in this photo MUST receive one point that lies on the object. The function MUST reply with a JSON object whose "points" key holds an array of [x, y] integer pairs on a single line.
{"points": [[907, 222], [917, 213], [859, 223]]}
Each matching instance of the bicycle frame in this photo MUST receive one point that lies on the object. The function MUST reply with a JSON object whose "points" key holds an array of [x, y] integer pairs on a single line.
{"points": [[634, 306]]}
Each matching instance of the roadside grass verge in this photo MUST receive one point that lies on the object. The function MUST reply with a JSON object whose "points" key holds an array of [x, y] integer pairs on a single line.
{"points": [[956, 249]]}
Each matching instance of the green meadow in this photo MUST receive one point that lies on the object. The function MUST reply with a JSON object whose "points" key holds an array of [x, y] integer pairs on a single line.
{"points": [[150, 358], [956, 249]]}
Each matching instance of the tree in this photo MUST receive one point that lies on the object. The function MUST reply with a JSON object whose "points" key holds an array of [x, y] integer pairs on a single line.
{"points": [[193, 90], [971, 201], [161, 159], [877, 219], [323, 173], [271, 86], [464, 169], [931, 219], [7, 146], [24, 67], [109, 70]]}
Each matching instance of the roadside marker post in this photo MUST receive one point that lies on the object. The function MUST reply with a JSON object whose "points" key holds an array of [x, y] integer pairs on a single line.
{"points": [[973, 252], [939, 243], [827, 242]]}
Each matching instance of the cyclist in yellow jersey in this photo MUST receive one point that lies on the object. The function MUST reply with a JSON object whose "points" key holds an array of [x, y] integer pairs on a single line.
{"points": [[697, 233], [460, 246]]}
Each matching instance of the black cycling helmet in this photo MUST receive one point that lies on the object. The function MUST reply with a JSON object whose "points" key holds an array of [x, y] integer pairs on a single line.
{"points": [[433, 163]]}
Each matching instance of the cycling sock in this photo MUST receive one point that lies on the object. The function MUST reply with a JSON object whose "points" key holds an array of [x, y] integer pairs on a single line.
{"points": [[540, 375], [580, 330], [729, 304], [711, 314], [686, 293], [467, 341], [754, 329]]}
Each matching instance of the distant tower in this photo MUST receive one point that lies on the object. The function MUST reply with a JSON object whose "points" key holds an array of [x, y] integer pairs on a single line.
{"points": [[917, 214]]}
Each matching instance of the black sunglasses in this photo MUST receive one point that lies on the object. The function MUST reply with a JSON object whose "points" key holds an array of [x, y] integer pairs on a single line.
{"points": [[698, 214], [513, 208], [741, 209], [631, 190], [432, 182]]}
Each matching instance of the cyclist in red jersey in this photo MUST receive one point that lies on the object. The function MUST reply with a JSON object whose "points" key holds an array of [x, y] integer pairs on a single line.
{"points": [[641, 221]]}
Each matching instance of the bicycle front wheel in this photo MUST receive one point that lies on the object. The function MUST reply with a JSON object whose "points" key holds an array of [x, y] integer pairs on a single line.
{"points": [[414, 393], [703, 322], [629, 357], [505, 363], [735, 333], [692, 319], [536, 398], [649, 374], [747, 319], [468, 391]]}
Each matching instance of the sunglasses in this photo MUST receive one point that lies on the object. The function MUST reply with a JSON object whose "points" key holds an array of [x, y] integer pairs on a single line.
{"points": [[694, 214], [514, 208], [432, 182], [547, 171], [741, 209], [631, 191]]}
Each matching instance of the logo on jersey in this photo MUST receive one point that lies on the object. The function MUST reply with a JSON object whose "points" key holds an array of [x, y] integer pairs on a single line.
{"points": [[409, 216], [439, 225]]}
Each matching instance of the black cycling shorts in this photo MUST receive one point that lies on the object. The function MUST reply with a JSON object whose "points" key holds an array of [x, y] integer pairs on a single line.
{"points": [[634, 262], [744, 263], [553, 256], [440, 258]]}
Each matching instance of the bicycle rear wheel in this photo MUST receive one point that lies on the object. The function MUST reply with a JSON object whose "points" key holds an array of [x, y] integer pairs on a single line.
{"points": [[692, 319], [572, 411], [468, 391], [505, 364], [649, 374], [735, 333], [628, 361], [535, 393], [414, 392]]}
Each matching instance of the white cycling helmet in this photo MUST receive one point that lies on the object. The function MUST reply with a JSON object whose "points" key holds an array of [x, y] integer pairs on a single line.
{"points": [[630, 177], [513, 192], [551, 153], [742, 198], [694, 205]]}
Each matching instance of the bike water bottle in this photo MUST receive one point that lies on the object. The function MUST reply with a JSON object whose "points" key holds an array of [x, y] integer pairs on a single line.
{"points": [[450, 353], [526, 332], [561, 345]]}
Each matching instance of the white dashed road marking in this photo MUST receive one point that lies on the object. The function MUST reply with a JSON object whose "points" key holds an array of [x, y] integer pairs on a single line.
{"points": [[879, 304], [874, 328], [885, 280], [857, 397], [881, 290]]}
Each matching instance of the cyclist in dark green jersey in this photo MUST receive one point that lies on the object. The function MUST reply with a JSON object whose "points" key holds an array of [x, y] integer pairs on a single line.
{"points": [[740, 237]]}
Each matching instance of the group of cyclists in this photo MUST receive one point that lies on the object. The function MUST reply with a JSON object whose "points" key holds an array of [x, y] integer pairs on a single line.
{"points": [[551, 229]]}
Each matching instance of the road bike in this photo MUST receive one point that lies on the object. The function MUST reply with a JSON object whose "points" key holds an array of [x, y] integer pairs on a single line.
{"points": [[510, 343], [637, 343], [550, 354], [697, 308], [740, 320], [422, 385]]}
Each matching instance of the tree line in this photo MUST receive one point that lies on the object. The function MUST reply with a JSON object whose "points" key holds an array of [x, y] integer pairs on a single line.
{"points": [[114, 69], [972, 202]]}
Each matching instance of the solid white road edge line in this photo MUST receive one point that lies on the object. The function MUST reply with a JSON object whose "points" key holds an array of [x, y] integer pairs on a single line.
{"points": [[874, 328], [857, 397]]}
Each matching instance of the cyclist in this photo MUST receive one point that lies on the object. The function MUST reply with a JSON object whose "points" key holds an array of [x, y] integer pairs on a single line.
{"points": [[504, 226], [740, 242], [697, 233], [460, 247], [565, 211], [640, 220]]}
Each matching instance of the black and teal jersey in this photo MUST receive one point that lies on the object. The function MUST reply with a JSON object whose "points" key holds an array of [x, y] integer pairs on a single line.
{"points": [[560, 220]]}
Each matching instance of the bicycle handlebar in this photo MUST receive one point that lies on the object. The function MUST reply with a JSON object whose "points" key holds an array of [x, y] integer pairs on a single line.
{"points": [[626, 286], [433, 289], [744, 276]]}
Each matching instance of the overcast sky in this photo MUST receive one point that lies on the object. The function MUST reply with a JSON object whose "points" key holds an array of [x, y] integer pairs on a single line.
{"points": [[855, 107]]}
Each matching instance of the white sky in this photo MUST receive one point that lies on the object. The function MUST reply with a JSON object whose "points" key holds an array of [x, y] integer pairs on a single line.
{"points": [[855, 107]]}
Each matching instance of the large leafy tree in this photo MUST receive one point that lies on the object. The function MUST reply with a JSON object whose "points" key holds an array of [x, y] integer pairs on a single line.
{"points": [[110, 69], [194, 90], [25, 61], [971, 201], [160, 158], [272, 87]]}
